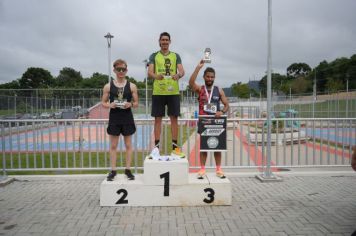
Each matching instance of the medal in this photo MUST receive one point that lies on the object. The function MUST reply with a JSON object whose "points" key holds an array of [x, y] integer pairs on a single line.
{"points": [[210, 108]]}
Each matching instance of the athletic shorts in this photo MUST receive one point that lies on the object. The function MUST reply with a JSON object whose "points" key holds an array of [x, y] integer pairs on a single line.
{"points": [[159, 103], [125, 130]]}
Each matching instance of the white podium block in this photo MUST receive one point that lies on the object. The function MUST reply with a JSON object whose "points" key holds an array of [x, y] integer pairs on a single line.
{"points": [[122, 192], [178, 170]]}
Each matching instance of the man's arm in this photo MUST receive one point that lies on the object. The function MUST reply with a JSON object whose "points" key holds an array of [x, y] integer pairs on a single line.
{"points": [[224, 101], [193, 85], [151, 69], [151, 73], [180, 73], [134, 101], [105, 97]]}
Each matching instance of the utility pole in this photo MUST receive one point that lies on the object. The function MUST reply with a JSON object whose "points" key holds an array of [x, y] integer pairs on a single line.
{"points": [[108, 37], [268, 176]]}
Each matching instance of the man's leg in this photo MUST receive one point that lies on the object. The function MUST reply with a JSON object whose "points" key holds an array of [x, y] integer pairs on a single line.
{"points": [[203, 156], [173, 103], [113, 146], [157, 130], [158, 111], [128, 146], [219, 172], [174, 130]]}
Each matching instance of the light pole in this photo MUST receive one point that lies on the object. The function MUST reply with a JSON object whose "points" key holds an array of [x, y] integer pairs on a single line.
{"points": [[146, 78], [108, 37], [268, 175]]}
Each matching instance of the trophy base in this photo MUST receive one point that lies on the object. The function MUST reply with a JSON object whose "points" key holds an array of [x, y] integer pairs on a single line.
{"points": [[207, 60], [120, 104]]}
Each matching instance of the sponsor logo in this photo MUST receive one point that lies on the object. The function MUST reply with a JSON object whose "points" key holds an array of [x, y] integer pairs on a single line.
{"points": [[212, 142], [212, 132], [219, 121]]}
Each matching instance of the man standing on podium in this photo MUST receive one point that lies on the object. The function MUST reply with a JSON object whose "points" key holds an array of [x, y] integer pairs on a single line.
{"points": [[165, 68], [120, 96], [209, 98]]}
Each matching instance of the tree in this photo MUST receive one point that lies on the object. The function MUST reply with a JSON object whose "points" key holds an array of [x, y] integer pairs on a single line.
{"points": [[69, 78], [11, 85], [240, 90], [334, 85], [296, 70], [97, 80], [300, 85], [36, 78], [277, 82]]}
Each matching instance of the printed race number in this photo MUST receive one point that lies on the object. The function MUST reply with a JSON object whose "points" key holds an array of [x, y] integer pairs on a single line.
{"points": [[122, 199], [165, 176], [211, 194]]}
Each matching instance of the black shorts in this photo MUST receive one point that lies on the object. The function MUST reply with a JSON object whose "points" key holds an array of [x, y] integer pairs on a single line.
{"points": [[125, 130], [159, 103]]}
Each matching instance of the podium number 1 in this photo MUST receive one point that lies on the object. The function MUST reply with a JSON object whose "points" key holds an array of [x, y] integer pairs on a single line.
{"points": [[165, 176]]}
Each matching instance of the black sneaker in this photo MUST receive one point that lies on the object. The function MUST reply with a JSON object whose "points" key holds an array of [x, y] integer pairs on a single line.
{"points": [[129, 175], [111, 175]]}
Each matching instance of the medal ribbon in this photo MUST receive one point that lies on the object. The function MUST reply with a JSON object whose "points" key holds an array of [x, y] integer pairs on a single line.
{"points": [[209, 96]]}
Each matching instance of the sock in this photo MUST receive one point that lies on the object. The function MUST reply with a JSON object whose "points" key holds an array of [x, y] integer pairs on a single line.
{"points": [[157, 143], [218, 168], [113, 171], [174, 144], [202, 167]]}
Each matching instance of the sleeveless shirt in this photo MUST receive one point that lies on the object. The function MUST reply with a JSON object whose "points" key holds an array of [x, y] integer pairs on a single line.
{"points": [[203, 99], [117, 115]]}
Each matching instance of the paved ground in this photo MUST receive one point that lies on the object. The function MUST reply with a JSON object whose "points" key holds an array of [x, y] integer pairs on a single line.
{"points": [[310, 203]]}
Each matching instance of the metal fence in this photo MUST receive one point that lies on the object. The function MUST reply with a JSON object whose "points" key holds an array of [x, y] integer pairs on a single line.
{"points": [[82, 144], [25, 103]]}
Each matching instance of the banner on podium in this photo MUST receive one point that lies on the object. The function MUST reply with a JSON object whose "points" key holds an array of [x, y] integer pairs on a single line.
{"points": [[212, 133]]}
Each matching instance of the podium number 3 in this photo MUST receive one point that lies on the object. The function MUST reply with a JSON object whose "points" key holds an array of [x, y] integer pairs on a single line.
{"points": [[210, 195], [165, 176]]}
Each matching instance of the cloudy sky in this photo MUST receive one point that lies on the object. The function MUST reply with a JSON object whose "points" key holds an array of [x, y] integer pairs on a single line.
{"points": [[70, 33]]}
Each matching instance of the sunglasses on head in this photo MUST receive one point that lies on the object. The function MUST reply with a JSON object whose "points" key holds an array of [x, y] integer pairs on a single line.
{"points": [[120, 69]]}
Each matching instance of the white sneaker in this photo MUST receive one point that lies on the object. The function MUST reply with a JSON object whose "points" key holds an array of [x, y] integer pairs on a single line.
{"points": [[155, 154]]}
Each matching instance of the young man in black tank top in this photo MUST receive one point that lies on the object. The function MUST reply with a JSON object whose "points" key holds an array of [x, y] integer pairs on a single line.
{"points": [[206, 98], [120, 96]]}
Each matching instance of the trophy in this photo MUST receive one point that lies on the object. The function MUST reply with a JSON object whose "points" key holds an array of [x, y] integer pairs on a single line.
{"points": [[120, 103], [207, 53], [167, 65]]}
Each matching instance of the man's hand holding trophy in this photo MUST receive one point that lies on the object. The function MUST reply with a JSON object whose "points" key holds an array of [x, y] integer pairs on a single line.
{"points": [[207, 53]]}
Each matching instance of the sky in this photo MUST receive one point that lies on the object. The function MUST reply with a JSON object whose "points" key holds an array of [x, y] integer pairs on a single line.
{"points": [[70, 33]]}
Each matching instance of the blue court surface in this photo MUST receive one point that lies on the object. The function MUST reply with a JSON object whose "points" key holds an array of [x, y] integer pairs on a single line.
{"points": [[70, 138], [345, 136]]}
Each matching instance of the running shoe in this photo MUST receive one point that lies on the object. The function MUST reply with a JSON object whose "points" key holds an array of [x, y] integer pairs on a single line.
{"points": [[154, 154], [111, 175], [177, 153], [201, 174], [129, 175], [220, 174]]}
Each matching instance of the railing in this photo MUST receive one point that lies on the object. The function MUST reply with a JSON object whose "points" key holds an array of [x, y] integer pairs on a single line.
{"points": [[75, 144]]}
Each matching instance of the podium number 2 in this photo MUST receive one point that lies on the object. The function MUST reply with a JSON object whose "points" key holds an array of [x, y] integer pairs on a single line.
{"points": [[210, 195], [122, 199], [165, 176]]}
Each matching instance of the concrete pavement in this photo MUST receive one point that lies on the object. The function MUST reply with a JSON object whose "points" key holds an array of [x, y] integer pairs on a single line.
{"points": [[305, 203]]}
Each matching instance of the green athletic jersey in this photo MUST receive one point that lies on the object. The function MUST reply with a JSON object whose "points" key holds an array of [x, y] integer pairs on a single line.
{"points": [[166, 66]]}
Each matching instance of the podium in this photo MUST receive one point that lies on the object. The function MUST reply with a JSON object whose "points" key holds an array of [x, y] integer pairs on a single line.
{"points": [[166, 183]]}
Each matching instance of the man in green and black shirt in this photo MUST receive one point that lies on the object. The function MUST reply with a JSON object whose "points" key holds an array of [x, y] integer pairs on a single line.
{"points": [[166, 68]]}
